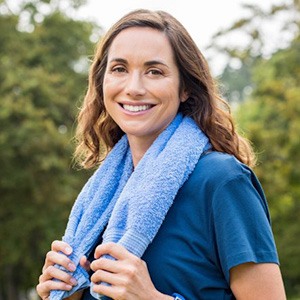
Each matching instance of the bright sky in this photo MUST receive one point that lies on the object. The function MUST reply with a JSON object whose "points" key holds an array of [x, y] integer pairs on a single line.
{"points": [[202, 20]]}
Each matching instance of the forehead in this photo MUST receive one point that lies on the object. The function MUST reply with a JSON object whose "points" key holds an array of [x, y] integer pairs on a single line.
{"points": [[141, 41]]}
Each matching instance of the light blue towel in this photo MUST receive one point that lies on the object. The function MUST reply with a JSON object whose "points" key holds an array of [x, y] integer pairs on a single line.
{"points": [[133, 204]]}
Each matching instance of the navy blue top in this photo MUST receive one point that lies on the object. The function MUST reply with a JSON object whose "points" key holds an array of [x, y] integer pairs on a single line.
{"points": [[219, 219]]}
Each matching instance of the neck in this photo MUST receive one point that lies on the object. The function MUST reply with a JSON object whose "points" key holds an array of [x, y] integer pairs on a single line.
{"points": [[138, 148]]}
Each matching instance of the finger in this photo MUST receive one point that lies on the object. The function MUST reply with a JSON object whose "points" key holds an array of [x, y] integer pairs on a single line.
{"points": [[107, 264], [53, 272], [111, 291], [115, 250], [85, 263], [106, 290], [53, 258], [43, 289], [46, 284], [60, 246], [101, 276]]}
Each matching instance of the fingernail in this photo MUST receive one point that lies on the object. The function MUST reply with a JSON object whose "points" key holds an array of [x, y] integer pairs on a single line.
{"points": [[68, 250], [68, 287], [71, 267], [73, 281]]}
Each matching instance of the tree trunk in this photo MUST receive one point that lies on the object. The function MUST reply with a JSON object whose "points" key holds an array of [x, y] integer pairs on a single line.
{"points": [[10, 288]]}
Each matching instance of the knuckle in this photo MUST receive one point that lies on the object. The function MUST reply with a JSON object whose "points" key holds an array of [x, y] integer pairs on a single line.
{"points": [[113, 245], [101, 262], [57, 245], [126, 282], [122, 292], [144, 265], [95, 265], [44, 268], [51, 270], [54, 244], [48, 255], [41, 290], [130, 272], [109, 246], [136, 262], [68, 277], [41, 279]]}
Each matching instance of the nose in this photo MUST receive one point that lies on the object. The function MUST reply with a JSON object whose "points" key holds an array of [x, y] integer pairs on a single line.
{"points": [[135, 85]]}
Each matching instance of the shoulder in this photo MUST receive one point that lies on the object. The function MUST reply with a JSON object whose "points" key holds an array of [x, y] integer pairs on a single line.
{"points": [[217, 171], [226, 181], [220, 167]]}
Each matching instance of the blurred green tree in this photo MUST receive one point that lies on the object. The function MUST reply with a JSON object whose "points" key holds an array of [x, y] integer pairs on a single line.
{"points": [[43, 77], [259, 34], [271, 119], [270, 116]]}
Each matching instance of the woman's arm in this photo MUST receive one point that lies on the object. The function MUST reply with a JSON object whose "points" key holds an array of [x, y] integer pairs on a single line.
{"points": [[251, 281]]}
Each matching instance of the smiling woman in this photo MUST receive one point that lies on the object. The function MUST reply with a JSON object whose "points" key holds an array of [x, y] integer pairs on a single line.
{"points": [[174, 210], [141, 86]]}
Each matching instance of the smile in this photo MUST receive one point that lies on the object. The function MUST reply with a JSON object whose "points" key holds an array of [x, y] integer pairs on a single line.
{"points": [[136, 108]]}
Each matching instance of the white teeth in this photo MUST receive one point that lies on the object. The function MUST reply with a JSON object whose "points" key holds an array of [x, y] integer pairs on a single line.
{"points": [[136, 108]]}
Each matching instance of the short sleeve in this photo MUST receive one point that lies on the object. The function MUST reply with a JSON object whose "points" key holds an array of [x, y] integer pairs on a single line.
{"points": [[241, 222]]}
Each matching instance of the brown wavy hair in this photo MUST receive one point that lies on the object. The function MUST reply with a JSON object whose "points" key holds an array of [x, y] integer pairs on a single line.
{"points": [[97, 133]]}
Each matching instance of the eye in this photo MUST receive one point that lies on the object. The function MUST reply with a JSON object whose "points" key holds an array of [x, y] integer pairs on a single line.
{"points": [[155, 72], [118, 69]]}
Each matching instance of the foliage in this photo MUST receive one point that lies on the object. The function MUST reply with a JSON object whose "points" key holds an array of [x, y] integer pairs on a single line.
{"points": [[272, 120], [41, 83], [237, 82], [270, 115], [43, 58], [255, 27], [259, 34]]}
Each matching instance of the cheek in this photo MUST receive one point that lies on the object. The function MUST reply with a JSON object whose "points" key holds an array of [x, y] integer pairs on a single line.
{"points": [[106, 85], [173, 98], [111, 86], [171, 91]]}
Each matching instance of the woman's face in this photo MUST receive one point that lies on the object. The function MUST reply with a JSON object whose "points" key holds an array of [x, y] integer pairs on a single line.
{"points": [[141, 83]]}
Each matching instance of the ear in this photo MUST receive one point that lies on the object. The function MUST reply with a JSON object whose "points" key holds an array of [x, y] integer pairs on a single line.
{"points": [[184, 96]]}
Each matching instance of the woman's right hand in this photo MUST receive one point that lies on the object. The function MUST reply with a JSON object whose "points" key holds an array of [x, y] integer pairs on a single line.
{"points": [[58, 255]]}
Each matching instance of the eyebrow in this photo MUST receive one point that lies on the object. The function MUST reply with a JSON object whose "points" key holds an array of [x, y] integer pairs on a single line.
{"points": [[120, 60], [147, 63], [155, 62]]}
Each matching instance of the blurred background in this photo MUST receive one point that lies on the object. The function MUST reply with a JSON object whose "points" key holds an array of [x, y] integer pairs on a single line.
{"points": [[45, 51]]}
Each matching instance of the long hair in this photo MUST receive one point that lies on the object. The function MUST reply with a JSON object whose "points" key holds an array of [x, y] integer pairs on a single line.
{"points": [[97, 133]]}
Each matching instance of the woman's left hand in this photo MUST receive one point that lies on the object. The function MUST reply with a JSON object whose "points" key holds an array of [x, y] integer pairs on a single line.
{"points": [[127, 276]]}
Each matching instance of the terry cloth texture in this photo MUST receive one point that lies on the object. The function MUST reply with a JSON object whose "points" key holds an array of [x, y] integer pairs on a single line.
{"points": [[133, 204]]}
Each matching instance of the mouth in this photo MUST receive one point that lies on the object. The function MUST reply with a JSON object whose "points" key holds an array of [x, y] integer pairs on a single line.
{"points": [[136, 108]]}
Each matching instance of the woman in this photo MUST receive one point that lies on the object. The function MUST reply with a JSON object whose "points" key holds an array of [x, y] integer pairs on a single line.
{"points": [[175, 212]]}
